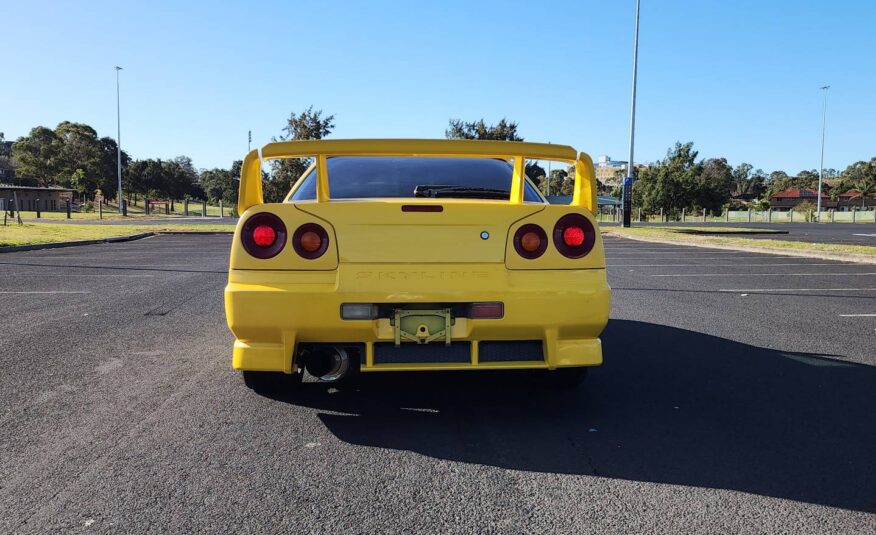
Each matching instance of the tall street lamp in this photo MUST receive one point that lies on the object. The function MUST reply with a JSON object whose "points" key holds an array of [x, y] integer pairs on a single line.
{"points": [[119, 138], [631, 170], [821, 166]]}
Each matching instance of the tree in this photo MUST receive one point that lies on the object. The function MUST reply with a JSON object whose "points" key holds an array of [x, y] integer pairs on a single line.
{"points": [[776, 182], [181, 179], [309, 124], [671, 183], [80, 151], [806, 179], [108, 168], [859, 176], [504, 130], [715, 185], [537, 174], [221, 184], [6, 167], [748, 182], [38, 155], [82, 182]]}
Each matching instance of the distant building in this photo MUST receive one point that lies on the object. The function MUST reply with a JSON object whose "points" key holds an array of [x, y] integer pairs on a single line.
{"points": [[50, 199], [609, 172], [855, 199], [791, 197]]}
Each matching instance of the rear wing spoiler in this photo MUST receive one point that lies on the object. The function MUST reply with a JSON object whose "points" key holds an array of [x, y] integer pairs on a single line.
{"points": [[584, 193]]}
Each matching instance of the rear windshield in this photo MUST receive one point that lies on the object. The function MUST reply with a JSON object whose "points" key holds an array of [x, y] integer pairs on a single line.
{"points": [[359, 177]]}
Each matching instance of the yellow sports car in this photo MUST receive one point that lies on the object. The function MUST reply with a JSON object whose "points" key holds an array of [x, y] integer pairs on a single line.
{"points": [[408, 255]]}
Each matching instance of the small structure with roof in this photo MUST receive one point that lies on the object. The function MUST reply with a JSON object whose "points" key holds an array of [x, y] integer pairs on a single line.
{"points": [[52, 198]]}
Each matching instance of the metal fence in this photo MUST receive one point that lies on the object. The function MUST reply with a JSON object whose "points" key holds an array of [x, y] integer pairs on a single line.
{"points": [[742, 216]]}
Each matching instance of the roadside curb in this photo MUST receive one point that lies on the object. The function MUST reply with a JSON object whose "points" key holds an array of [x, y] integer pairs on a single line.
{"points": [[114, 239], [60, 244], [193, 232], [856, 258]]}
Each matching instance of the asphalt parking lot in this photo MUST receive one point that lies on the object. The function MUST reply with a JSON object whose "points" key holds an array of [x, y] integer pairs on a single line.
{"points": [[851, 233], [737, 395]]}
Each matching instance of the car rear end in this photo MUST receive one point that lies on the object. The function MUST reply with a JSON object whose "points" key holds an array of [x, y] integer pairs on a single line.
{"points": [[450, 279]]}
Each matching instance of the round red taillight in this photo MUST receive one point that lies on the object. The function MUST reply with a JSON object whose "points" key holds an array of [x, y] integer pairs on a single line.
{"points": [[263, 235], [530, 241], [310, 241], [574, 236]]}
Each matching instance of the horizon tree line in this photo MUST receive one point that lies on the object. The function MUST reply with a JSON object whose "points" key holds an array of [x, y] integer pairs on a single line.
{"points": [[73, 155]]}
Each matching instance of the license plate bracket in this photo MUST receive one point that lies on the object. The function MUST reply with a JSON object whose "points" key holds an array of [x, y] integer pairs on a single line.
{"points": [[422, 326]]}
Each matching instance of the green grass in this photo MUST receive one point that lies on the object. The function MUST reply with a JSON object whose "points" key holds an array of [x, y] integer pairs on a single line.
{"points": [[670, 233], [30, 233]]}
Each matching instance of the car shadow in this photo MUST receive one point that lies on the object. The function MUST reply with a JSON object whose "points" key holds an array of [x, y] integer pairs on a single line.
{"points": [[668, 406]]}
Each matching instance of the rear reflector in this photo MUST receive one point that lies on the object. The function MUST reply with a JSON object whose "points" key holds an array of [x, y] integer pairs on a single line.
{"points": [[488, 310], [358, 311]]}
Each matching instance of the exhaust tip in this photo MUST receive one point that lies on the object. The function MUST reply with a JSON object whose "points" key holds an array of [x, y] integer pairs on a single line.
{"points": [[327, 363]]}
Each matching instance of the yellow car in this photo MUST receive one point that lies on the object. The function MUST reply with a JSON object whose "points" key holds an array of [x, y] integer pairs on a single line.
{"points": [[410, 255]]}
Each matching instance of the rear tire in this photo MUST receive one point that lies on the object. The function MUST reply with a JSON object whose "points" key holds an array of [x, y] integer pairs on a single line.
{"points": [[272, 382], [566, 378]]}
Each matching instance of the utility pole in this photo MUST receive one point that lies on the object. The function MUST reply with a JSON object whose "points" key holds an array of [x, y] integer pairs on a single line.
{"points": [[631, 170], [249, 144], [119, 138], [821, 166]]}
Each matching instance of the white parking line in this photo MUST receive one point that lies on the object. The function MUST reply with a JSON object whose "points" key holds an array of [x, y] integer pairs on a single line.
{"points": [[753, 290], [867, 235], [759, 257], [53, 275], [858, 315], [45, 292], [725, 265], [762, 274]]}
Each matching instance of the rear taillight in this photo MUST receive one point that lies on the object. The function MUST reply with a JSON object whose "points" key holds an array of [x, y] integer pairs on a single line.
{"points": [[574, 235], [310, 241], [530, 241], [263, 235]]}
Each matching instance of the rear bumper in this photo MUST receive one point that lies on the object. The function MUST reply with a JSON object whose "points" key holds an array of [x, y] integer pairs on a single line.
{"points": [[270, 312]]}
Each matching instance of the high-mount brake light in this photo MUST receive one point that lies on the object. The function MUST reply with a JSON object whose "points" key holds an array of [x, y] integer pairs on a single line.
{"points": [[574, 236], [310, 241], [530, 241], [263, 235]]}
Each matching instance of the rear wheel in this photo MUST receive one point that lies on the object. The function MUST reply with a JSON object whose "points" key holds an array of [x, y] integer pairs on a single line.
{"points": [[566, 378], [272, 382]]}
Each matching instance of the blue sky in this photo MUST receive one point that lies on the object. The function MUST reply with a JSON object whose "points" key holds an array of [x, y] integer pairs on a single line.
{"points": [[740, 78]]}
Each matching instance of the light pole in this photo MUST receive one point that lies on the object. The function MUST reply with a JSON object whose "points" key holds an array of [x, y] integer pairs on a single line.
{"points": [[821, 166], [119, 138], [631, 170]]}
